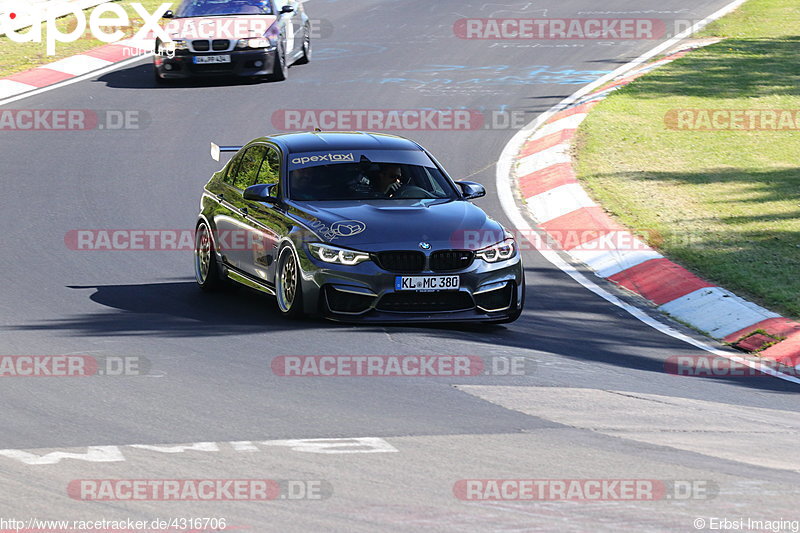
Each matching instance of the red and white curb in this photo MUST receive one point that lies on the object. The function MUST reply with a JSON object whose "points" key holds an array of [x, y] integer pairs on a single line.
{"points": [[73, 67], [544, 175]]}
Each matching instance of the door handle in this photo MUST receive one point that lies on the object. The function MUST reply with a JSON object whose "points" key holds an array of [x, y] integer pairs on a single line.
{"points": [[220, 197], [243, 210]]}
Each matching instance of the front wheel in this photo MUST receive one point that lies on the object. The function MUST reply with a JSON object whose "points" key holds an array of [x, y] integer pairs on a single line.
{"points": [[288, 288], [280, 69], [306, 57], [206, 270]]}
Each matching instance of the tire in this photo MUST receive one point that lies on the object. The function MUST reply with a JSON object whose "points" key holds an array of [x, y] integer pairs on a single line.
{"points": [[158, 79], [206, 269], [306, 57], [288, 288], [280, 69]]}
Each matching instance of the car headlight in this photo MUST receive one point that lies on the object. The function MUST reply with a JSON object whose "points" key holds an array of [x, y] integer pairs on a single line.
{"points": [[255, 42], [339, 256], [177, 44], [498, 252]]}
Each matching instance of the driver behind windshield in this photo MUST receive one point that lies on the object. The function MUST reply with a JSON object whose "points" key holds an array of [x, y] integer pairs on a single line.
{"points": [[386, 181]]}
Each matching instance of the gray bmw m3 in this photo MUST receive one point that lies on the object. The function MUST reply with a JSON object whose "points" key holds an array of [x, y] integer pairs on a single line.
{"points": [[355, 227]]}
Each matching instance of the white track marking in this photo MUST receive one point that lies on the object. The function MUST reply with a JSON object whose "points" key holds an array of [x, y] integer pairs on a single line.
{"points": [[180, 448], [107, 454], [93, 454], [361, 445]]}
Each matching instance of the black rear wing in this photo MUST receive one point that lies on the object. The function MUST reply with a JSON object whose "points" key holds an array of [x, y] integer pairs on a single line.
{"points": [[216, 150]]}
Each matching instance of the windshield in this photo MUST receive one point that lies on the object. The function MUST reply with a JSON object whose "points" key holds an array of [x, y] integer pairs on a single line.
{"points": [[202, 8], [370, 181]]}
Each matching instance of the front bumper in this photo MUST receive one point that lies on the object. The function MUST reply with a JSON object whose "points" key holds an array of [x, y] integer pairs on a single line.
{"points": [[366, 293], [244, 63]]}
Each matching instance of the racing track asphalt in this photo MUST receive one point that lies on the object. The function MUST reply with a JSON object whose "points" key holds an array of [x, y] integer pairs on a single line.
{"points": [[210, 354]]}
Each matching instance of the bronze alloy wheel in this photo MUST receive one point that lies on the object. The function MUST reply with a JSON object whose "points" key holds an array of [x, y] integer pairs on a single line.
{"points": [[287, 284]]}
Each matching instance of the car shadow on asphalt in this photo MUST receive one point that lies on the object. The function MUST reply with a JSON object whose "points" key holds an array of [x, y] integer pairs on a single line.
{"points": [[140, 76], [173, 309], [553, 323]]}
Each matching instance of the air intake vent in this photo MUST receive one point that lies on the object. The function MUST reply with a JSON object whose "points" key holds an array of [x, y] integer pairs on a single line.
{"points": [[401, 262]]}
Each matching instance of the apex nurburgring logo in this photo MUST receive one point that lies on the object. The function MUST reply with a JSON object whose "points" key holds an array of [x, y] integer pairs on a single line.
{"points": [[19, 15]]}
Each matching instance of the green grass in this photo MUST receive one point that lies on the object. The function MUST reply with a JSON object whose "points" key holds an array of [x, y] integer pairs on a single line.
{"points": [[17, 57], [727, 203]]}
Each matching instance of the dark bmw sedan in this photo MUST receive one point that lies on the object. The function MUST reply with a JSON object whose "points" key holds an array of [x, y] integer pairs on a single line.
{"points": [[247, 38], [355, 227]]}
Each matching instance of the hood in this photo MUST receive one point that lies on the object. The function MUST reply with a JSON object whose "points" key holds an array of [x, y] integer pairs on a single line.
{"points": [[231, 27], [400, 224]]}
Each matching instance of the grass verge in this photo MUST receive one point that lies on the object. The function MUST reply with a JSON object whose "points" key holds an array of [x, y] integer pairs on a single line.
{"points": [[725, 202]]}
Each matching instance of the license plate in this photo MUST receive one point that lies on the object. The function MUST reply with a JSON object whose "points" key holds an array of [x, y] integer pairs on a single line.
{"points": [[204, 60], [427, 283]]}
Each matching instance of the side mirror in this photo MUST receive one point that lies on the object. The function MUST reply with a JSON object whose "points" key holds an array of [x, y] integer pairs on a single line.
{"points": [[168, 14], [471, 190], [261, 193], [287, 9]]}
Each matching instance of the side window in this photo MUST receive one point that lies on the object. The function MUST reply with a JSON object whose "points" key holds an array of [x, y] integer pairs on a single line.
{"points": [[247, 172], [233, 166], [271, 167]]}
